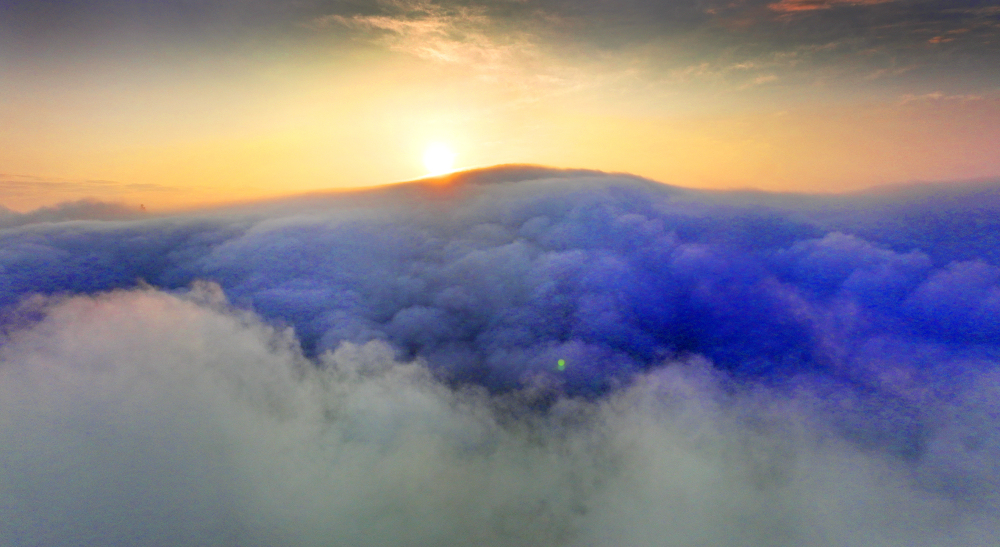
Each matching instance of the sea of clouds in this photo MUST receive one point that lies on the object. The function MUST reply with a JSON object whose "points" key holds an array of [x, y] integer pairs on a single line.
{"points": [[380, 368]]}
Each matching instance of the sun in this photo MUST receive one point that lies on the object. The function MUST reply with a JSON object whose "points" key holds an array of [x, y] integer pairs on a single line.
{"points": [[438, 158]]}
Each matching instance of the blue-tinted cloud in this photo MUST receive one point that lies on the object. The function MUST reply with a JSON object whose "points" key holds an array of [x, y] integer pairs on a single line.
{"points": [[390, 356], [495, 280]]}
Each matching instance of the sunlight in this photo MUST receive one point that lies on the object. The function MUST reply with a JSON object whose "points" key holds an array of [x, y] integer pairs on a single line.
{"points": [[438, 158]]}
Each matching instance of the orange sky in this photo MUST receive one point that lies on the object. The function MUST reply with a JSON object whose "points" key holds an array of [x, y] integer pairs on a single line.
{"points": [[150, 107]]}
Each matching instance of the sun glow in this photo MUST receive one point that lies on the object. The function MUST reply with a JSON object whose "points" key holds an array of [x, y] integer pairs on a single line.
{"points": [[438, 158]]}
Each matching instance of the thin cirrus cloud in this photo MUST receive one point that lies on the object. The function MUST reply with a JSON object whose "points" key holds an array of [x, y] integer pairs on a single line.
{"points": [[379, 367], [810, 5], [456, 34], [499, 49], [654, 39]]}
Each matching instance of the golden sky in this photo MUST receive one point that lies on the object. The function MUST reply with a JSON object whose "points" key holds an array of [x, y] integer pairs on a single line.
{"points": [[178, 103]]}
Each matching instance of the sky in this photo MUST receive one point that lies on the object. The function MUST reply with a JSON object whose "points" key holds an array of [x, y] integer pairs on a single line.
{"points": [[180, 103]]}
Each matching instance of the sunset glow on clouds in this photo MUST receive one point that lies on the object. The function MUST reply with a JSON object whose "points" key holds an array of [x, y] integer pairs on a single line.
{"points": [[809, 5]]}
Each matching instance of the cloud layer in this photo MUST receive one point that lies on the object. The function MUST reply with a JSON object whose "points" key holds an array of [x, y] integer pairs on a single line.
{"points": [[379, 368], [145, 417]]}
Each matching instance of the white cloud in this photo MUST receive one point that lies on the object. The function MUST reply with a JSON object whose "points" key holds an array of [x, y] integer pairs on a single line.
{"points": [[175, 419]]}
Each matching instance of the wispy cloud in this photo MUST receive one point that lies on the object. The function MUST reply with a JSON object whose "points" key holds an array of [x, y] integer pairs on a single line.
{"points": [[984, 10], [500, 50], [749, 71], [938, 96], [812, 5], [762, 79], [463, 35]]}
